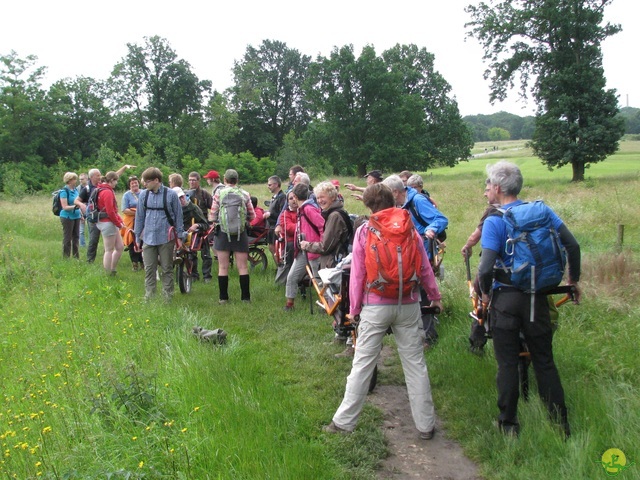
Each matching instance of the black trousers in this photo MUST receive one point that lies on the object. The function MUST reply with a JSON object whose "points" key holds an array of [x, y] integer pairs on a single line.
{"points": [[207, 261], [94, 239], [70, 239], [510, 310]]}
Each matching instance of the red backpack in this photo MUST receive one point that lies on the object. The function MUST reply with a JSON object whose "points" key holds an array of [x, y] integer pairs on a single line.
{"points": [[392, 256]]}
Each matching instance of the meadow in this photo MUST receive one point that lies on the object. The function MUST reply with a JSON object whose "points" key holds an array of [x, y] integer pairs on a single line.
{"points": [[98, 384]]}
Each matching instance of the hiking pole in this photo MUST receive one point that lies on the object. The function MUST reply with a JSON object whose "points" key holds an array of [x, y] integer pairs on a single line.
{"points": [[473, 295]]}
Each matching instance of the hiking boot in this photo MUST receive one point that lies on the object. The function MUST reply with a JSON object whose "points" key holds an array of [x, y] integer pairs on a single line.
{"points": [[429, 342], [509, 429], [428, 435], [288, 308], [333, 428], [347, 353]]}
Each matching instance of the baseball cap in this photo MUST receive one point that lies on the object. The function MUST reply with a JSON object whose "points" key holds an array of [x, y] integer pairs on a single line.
{"points": [[377, 174], [335, 183], [212, 174]]}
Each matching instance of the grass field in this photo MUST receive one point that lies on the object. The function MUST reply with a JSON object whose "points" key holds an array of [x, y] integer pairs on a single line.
{"points": [[98, 384]]}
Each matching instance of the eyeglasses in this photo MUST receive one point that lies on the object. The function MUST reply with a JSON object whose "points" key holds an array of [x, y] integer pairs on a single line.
{"points": [[193, 179]]}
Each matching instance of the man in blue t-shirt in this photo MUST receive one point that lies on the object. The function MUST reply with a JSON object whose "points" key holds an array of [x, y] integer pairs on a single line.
{"points": [[510, 307]]}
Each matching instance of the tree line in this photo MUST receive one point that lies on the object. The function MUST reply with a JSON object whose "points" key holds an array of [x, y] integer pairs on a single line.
{"points": [[341, 114], [508, 126]]}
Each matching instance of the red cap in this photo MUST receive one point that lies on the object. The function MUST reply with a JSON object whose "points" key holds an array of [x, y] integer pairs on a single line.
{"points": [[212, 174], [335, 183]]}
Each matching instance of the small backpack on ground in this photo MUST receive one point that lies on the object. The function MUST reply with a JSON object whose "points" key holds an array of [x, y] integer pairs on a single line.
{"points": [[93, 213], [56, 207], [392, 256], [539, 259], [232, 215]]}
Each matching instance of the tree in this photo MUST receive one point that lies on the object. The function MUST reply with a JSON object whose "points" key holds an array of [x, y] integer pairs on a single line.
{"points": [[160, 91], [391, 111], [29, 132], [553, 47], [268, 96], [497, 134], [79, 106]]}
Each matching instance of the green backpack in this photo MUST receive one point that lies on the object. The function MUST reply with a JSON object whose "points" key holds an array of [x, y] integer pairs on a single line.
{"points": [[232, 215]]}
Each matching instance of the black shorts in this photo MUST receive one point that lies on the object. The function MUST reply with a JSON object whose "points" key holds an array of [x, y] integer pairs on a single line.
{"points": [[238, 243]]}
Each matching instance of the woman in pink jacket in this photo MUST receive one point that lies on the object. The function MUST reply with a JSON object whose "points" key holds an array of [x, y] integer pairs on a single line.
{"points": [[310, 227], [111, 224], [378, 314]]}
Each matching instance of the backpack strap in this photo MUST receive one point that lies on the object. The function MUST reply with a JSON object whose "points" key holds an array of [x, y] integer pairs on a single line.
{"points": [[313, 225], [164, 205], [414, 211]]}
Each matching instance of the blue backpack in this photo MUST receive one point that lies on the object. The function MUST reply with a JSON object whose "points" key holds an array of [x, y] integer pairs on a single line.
{"points": [[539, 259]]}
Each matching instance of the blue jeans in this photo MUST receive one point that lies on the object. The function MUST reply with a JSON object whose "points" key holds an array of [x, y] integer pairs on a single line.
{"points": [[83, 240]]}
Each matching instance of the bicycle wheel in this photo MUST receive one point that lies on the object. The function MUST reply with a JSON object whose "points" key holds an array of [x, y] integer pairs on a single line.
{"points": [[257, 259], [183, 278]]}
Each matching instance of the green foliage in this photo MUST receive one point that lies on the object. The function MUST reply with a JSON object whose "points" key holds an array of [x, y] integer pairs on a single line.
{"points": [[268, 96], [553, 47], [390, 111], [631, 118], [249, 168], [498, 134], [12, 184], [518, 127]]}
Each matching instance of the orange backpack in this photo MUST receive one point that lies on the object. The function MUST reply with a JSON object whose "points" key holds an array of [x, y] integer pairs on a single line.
{"points": [[392, 256]]}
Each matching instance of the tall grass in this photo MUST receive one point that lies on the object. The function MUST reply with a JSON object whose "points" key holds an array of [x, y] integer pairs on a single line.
{"points": [[96, 383]]}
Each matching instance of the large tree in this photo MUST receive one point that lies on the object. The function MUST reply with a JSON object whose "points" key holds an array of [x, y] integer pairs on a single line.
{"points": [[79, 106], [29, 132], [391, 111], [268, 96], [553, 48], [152, 81]]}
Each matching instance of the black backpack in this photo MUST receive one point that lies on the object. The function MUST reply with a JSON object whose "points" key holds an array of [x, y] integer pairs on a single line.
{"points": [[345, 247], [56, 207], [93, 214]]}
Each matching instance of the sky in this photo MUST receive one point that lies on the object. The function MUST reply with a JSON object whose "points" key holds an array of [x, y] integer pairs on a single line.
{"points": [[87, 38]]}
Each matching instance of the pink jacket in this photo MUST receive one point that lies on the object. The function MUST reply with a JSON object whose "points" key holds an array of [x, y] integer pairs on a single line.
{"points": [[311, 224], [358, 295]]}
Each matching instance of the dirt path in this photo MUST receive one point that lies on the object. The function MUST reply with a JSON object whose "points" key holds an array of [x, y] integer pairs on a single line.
{"points": [[410, 457]]}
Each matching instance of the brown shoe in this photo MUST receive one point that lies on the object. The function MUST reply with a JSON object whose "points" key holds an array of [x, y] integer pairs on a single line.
{"points": [[333, 428], [347, 353]]}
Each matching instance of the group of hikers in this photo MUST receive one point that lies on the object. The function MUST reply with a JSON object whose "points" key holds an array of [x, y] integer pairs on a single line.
{"points": [[389, 253]]}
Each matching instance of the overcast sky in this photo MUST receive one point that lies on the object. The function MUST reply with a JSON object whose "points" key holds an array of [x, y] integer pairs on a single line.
{"points": [[87, 38]]}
